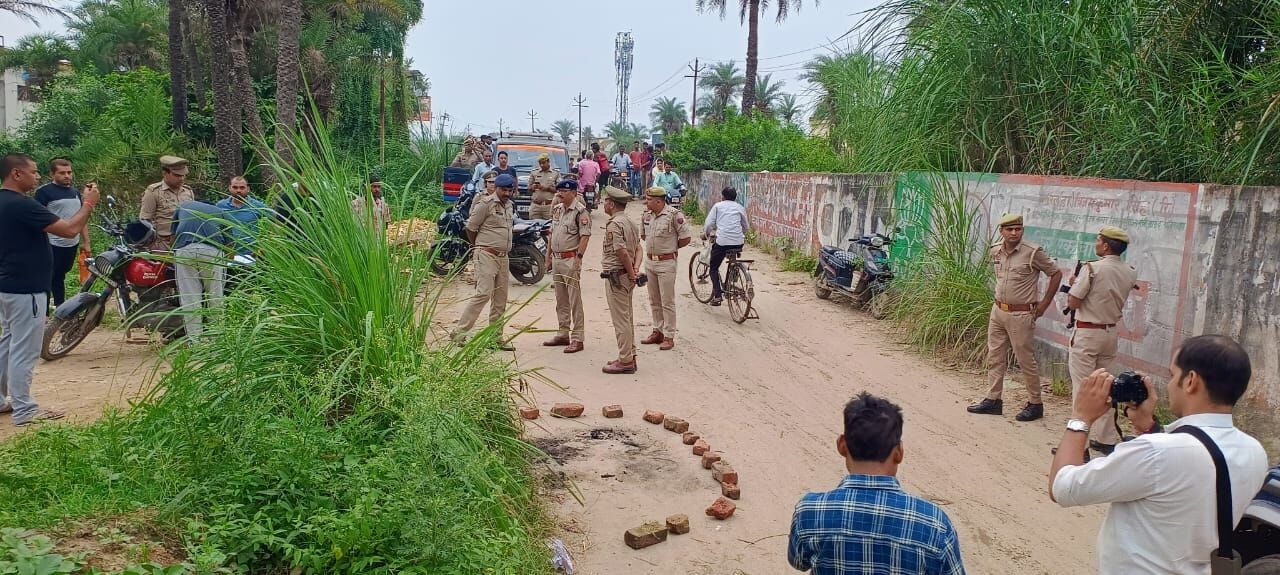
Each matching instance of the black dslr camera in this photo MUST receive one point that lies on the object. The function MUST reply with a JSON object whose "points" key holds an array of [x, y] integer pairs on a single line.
{"points": [[1128, 388]]}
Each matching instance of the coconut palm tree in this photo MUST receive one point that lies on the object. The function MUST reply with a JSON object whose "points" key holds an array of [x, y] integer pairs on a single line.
{"points": [[287, 71], [177, 65], [226, 109], [767, 93], [39, 55], [787, 109], [749, 13], [27, 10], [668, 115], [723, 84], [115, 34], [566, 129]]}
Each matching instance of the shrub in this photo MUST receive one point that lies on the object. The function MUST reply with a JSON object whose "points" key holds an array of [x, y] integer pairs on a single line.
{"points": [[750, 144]]}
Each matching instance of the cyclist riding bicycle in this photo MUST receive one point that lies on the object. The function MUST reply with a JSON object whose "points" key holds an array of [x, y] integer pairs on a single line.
{"points": [[727, 222]]}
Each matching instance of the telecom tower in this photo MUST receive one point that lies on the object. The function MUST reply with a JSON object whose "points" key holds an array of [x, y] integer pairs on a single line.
{"points": [[622, 61]]}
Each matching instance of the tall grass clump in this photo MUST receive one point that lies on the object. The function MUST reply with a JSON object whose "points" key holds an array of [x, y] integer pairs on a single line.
{"points": [[1163, 90], [312, 430], [942, 293]]}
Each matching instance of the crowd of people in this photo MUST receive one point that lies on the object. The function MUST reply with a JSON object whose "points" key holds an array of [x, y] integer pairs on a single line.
{"points": [[1192, 496]]}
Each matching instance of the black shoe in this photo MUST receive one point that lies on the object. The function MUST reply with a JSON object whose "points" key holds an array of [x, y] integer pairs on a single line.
{"points": [[1031, 412], [1103, 448], [988, 407], [717, 300]]}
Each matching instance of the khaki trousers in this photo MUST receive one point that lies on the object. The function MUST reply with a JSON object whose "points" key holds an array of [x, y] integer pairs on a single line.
{"points": [[491, 288], [542, 212], [662, 295], [1093, 349], [1012, 329], [566, 278], [619, 298]]}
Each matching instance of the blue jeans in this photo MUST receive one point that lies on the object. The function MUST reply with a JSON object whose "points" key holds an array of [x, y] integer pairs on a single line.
{"points": [[635, 182]]}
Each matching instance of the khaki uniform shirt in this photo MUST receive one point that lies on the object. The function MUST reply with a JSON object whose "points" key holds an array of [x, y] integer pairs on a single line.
{"points": [[1018, 272], [1104, 285], [571, 225], [619, 233], [548, 179], [491, 220], [160, 204], [664, 230]]}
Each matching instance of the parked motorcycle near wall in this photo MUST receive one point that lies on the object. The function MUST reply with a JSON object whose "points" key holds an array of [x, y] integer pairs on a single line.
{"points": [[862, 272]]}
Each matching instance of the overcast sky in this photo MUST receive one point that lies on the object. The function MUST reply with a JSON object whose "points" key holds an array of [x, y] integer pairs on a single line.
{"points": [[496, 59]]}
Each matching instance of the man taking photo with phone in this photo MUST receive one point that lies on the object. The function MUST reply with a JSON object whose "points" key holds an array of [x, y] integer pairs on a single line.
{"points": [[1162, 486]]}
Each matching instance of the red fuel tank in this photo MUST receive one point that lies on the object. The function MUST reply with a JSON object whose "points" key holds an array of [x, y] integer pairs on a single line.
{"points": [[144, 273]]}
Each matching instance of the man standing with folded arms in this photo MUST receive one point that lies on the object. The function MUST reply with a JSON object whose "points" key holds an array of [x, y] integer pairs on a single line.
{"points": [[489, 231], [1018, 265], [26, 264]]}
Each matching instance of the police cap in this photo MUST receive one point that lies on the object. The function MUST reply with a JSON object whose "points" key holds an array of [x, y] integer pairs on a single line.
{"points": [[656, 192], [617, 194], [567, 184], [505, 181], [1114, 233], [1010, 220], [544, 158], [174, 164]]}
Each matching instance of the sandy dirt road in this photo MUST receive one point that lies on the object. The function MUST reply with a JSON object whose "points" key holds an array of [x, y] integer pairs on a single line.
{"points": [[768, 395], [104, 370]]}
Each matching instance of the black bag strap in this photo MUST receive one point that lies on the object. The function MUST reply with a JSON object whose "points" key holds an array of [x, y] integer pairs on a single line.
{"points": [[1226, 526]]}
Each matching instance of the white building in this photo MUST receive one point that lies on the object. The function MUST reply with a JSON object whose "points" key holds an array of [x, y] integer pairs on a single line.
{"points": [[16, 99]]}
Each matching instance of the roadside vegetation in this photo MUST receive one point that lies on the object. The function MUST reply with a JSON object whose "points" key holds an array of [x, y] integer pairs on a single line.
{"points": [[312, 431]]}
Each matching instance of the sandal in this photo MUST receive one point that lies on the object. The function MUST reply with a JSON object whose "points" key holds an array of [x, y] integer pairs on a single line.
{"points": [[42, 416]]}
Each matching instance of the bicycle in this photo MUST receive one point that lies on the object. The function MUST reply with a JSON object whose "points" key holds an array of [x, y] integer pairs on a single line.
{"points": [[737, 287]]}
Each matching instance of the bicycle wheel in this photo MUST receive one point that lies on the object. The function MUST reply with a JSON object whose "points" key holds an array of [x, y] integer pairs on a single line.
{"points": [[738, 291], [699, 278]]}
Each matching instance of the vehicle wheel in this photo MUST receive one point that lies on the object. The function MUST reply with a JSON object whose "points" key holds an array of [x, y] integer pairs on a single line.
{"points": [[699, 278], [738, 293], [527, 265], [878, 307], [448, 257], [820, 288], [61, 335]]}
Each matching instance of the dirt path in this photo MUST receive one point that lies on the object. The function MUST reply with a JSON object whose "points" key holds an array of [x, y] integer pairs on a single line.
{"points": [[104, 370], [768, 394]]}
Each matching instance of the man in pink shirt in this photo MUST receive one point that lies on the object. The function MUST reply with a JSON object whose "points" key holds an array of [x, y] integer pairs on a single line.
{"points": [[588, 174]]}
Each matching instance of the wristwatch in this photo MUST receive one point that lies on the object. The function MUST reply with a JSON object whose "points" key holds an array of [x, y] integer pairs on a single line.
{"points": [[1079, 425]]}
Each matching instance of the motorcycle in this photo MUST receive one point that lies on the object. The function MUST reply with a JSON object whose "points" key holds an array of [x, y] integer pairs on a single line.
{"points": [[676, 197], [589, 197], [861, 272], [144, 290], [451, 250]]}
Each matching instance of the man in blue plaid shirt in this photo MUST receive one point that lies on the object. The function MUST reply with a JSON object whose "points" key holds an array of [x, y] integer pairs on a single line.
{"points": [[869, 524]]}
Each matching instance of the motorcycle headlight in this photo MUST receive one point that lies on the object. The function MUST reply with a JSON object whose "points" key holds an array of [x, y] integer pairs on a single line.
{"points": [[877, 242], [106, 261]]}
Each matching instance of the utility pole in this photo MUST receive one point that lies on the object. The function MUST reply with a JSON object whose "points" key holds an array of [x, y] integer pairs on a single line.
{"points": [[581, 103], [500, 128], [693, 104], [532, 116]]}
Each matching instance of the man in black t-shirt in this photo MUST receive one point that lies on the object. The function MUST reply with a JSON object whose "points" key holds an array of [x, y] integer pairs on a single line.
{"points": [[63, 199], [26, 264]]}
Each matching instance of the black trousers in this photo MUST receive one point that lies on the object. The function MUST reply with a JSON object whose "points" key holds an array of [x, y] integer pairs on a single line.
{"points": [[64, 259], [717, 257]]}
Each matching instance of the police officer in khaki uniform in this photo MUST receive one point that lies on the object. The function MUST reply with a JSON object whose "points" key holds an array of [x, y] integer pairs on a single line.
{"points": [[1018, 265], [570, 232], [1098, 296], [160, 200], [665, 231], [621, 247], [489, 231], [542, 189]]}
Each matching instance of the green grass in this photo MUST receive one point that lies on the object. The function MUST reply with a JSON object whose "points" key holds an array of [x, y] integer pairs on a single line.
{"points": [[313, 431], [691, 208]]}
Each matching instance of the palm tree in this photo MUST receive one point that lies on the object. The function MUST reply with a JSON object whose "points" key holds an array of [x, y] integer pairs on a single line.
{"points": [[177, 65], [767, 93], [27, 9], [127, 34], [566, 129], [668, 115], [290, 27], [39, 55], [587, 137], [226, 111], [749, 13], [623, 134], [722, 84], [787, 108]]}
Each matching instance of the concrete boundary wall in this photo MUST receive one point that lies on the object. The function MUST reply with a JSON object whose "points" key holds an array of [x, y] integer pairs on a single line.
{"points": [[1207, 256]]}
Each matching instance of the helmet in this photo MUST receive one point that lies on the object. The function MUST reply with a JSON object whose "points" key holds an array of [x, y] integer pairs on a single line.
{"points": [[139, 233]]}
